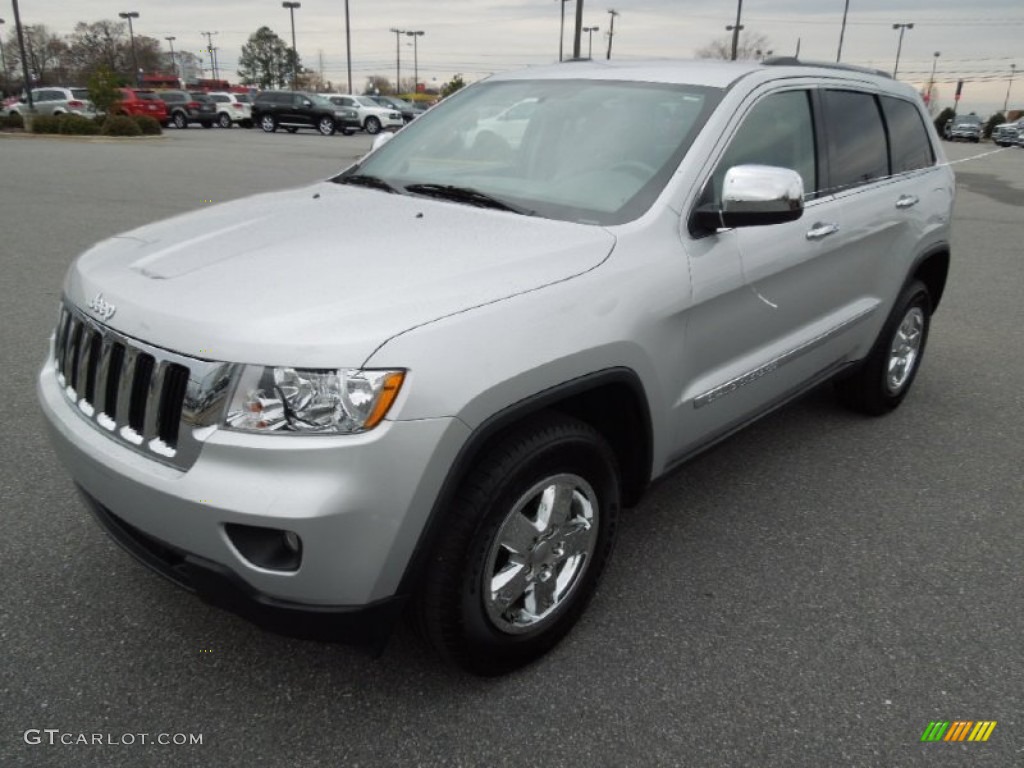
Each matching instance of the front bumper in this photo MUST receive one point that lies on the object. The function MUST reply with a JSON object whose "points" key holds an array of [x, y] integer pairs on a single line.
{"points": [[358, 504], [368, 625]]}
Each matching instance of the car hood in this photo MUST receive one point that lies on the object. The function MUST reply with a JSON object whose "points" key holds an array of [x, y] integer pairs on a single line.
{"points": [[320, 276]]}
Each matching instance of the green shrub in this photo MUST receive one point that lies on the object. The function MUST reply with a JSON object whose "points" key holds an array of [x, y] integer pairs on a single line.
{"points": [[78, 125], [45, 124], [13, 121], [120, 125], [148, 125]]}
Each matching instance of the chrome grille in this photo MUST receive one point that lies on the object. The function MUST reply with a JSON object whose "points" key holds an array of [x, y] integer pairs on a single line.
{"points": [[147, 398]]}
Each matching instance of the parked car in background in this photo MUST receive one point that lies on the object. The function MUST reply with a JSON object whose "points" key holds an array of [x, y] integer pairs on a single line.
{"points": [[293, 110], [966, 127], [408, 110], [232, 108], [373, 118], [56, 100], [1008, 134], [183, 109], [141, 101], [508, 126]]}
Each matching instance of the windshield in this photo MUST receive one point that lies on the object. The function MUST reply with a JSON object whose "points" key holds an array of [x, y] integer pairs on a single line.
{"points": [[967, 120], [578, 150]]}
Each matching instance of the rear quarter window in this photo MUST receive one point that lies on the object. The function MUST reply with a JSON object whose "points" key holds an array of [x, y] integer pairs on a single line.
{"points": [[910, 147]]}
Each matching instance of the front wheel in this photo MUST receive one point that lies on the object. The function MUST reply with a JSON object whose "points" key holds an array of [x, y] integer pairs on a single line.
{"points": [[884, 378], [268, 123], [326, 126], [180, 121], [224, 120], [372, 125], [521, 554]]}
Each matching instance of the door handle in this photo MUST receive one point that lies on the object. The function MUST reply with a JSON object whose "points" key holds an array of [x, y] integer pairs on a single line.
{"points": [[820, 230], [907, 201]]}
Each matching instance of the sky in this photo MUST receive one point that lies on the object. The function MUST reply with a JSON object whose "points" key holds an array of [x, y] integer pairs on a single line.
{"points": [[479, 37]]}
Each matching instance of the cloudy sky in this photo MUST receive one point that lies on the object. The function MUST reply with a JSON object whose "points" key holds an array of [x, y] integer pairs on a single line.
{"points": [[977, 42]]}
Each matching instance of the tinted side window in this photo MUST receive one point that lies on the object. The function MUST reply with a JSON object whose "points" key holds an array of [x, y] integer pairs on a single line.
{"points": [[778, 131], [909, 145], [858, 151]]}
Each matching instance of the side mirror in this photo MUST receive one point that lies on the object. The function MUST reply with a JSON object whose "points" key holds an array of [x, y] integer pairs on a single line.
{"points": [[755, 196], [380, 140], [307, 103]]}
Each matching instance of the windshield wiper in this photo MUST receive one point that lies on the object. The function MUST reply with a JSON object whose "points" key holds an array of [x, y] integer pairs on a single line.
{"points": [[467, 195], [366, 180]]}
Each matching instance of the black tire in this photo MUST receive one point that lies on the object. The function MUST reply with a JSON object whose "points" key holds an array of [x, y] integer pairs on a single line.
{"points": [[326, 126], [179, 120], [224, 120], [268, 123], [882, 381], [372, 125], [469, 624]]}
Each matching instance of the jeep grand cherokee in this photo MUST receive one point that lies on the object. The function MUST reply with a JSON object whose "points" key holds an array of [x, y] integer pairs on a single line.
{"points": [[448, 406]]}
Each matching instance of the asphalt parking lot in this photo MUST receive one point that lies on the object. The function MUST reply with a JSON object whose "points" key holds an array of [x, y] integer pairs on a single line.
{"points": [[813, 592]]}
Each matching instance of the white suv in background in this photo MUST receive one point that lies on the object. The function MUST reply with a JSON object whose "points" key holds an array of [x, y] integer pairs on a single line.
{"points": [[232, 108], [433, 380], [372, 116]]}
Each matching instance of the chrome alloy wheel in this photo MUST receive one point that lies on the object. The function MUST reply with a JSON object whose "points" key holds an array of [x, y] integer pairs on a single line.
{"points": [[540, 553], [904, 351]]}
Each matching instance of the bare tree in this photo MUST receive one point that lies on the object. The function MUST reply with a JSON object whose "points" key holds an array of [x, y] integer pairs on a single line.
{"points": [[751, 46]]}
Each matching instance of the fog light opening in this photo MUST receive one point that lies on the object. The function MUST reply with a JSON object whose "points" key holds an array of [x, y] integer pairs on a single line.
{"points": [[270, 548]]}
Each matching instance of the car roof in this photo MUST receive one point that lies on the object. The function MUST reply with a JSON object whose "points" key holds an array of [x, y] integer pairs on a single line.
{"points": [[714, 73]]}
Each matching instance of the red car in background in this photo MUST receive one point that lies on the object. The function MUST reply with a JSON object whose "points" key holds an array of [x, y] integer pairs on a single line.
{"points": [[139, 101]]}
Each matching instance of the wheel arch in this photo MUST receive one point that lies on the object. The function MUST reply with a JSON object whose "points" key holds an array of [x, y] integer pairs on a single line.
{"points": [[611, 401], [932, 269]]}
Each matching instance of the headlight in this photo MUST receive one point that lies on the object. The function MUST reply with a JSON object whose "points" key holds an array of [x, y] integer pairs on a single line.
{"points": [[299, 400]]}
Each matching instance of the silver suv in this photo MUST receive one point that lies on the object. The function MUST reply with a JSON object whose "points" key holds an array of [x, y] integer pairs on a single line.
{"points": [[55, 100], [316, 438]]}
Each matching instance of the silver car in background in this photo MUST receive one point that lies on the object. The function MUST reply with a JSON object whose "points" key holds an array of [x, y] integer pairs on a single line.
{"points": [[54, 100]]}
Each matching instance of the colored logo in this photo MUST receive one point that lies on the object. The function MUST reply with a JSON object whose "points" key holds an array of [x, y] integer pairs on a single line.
{"points": [[958, 730]]}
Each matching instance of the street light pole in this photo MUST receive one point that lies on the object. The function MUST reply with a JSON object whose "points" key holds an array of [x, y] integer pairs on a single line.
{"points": [[415, 35], [561, 33], [3, 58], [295, 52], [842, 31], [902, 28], [398, 57], [735, 29], [174, 62], [1006, 101], [931, 80], [24, 59], [131, 33], [611, 31], [578, 34], [348, 48], [590, 40]]}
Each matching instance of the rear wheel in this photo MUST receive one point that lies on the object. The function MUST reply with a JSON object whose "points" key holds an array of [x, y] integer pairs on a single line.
{"points": [[523, 549], [179, 120], [372, 125], [224, 120], [326, 126], [884, 379], [268, 123]]}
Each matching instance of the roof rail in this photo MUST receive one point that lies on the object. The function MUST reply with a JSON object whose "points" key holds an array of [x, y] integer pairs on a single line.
{"points": [[793, 61]]}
